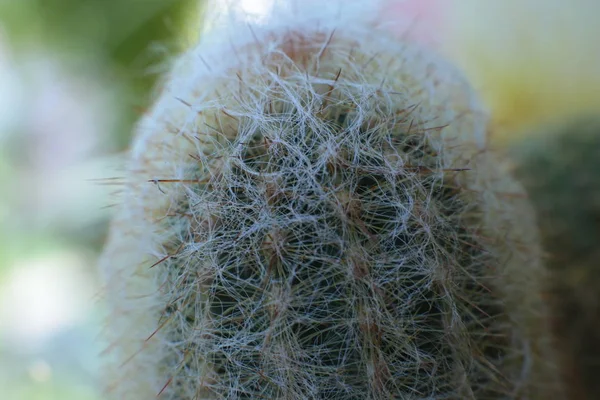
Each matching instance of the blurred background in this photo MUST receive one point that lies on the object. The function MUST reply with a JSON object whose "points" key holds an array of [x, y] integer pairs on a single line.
{"points": [[74, 77], [76, 74]]}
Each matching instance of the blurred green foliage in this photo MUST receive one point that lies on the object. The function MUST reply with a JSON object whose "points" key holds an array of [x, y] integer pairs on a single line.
{"points": [[127, 45], [129, 39]]}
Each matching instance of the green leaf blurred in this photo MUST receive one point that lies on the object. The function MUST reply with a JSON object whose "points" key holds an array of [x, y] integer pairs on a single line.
{"points": [[129, 39]]}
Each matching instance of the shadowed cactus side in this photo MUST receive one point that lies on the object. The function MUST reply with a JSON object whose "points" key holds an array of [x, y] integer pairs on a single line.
{"points": [[560, 167], [310, 212]]}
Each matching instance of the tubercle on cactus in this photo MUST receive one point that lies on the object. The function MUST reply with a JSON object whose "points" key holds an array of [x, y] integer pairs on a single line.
{"points": [[328, 224], [558, 164]]}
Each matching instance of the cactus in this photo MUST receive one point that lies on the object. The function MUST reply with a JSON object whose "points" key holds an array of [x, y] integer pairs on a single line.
{"points": [[311, 212], [558, 168]]}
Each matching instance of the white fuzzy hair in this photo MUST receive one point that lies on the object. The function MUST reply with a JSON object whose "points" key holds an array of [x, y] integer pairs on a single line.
{"points": [[288, 77]]}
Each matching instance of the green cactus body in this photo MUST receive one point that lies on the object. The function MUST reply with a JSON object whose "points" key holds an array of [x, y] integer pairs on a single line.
{"points": [[559, 169], [311, 213]]}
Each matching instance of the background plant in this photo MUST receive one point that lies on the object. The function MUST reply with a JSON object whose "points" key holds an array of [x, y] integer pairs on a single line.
{"points": [[559, 166]]}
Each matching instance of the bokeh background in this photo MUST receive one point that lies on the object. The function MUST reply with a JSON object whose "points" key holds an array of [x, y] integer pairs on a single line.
{"points": [[76, 74]]}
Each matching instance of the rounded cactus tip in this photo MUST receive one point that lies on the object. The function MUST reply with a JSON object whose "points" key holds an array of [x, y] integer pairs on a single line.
{"points": [[311, 212]]}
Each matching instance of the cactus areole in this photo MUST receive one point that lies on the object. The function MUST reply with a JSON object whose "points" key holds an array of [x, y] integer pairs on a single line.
{"points": [[310, 212]]}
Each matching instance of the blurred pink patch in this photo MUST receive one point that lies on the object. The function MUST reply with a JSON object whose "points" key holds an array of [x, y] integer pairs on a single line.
{"points": [[421, 20]]}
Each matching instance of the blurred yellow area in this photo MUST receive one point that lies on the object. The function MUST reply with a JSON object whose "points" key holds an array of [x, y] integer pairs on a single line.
{"points": [[76, 74], [534, 61]]}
